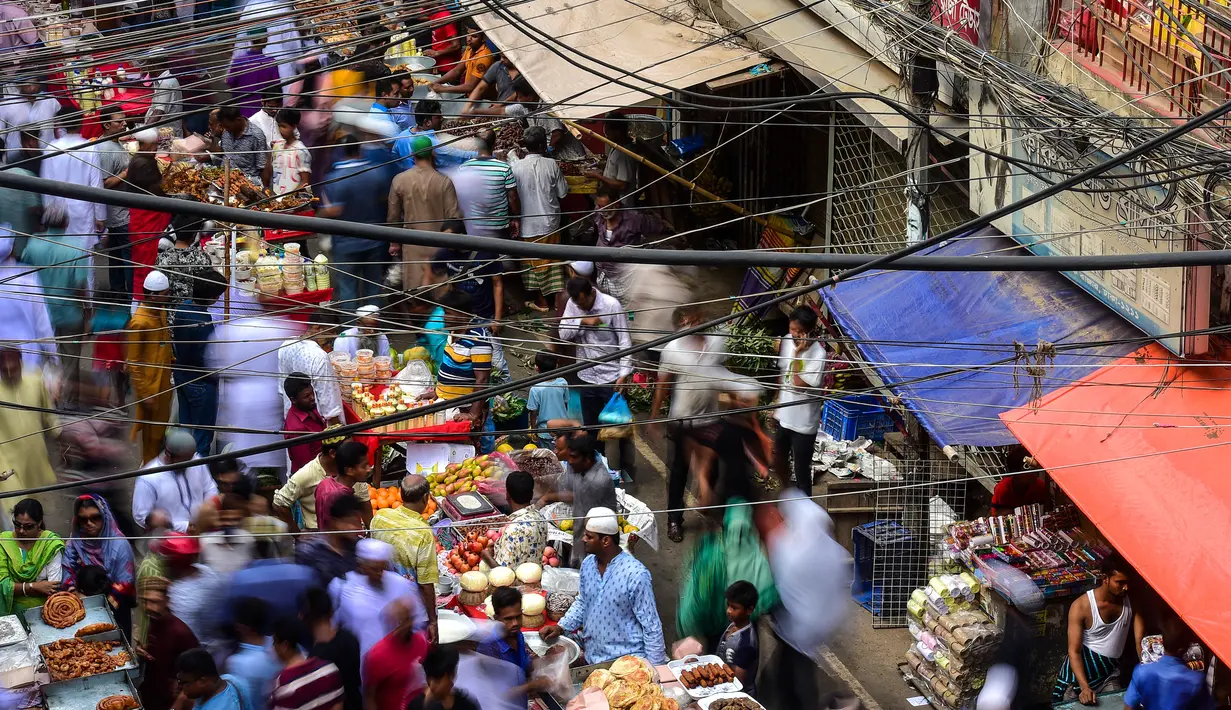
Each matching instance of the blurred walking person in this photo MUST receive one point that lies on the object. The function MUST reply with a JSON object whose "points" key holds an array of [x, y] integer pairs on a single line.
{"points": [[166, 639], [813, 576], [148, 357], [23, 451]]}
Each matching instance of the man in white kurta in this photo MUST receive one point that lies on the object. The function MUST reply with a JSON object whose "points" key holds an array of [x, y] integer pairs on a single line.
{"points": [[245, 354], [23, 310], [86, 220], [307, 356], [179, 494], [362, 599], [25, 106]]}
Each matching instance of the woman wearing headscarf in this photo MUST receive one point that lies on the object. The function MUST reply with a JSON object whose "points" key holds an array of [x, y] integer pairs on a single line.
{"points": [[95, 540], [31, 564]]}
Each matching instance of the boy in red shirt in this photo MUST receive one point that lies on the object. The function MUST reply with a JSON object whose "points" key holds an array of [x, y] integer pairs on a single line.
{"points": [[301, 418], [391, 672]]}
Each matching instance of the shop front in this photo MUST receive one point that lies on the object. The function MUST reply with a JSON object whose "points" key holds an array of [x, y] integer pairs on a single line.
{"points": [[1134, 449]]}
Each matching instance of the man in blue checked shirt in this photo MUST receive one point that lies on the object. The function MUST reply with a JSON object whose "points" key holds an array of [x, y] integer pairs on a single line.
{"points": [[615, 610]]}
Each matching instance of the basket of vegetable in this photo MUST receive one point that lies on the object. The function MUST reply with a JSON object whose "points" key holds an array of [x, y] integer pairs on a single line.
{"points": [[509, 413]]}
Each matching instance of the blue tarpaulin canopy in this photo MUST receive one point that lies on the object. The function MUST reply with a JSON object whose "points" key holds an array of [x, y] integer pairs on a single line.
{"points": [[913, 324]]}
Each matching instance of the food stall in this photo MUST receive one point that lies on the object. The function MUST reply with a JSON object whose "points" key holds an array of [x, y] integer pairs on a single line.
{"points": [[68, 654]]}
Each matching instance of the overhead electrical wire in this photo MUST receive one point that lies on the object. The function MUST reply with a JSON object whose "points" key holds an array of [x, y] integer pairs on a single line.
{"points": [[878, 262]]}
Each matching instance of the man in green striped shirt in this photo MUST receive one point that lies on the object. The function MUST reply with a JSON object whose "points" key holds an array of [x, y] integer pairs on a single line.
{"points": [[487, 192]]}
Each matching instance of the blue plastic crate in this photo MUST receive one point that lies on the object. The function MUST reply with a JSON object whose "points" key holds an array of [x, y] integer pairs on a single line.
{"points": [[892, 540], [856, 416]]}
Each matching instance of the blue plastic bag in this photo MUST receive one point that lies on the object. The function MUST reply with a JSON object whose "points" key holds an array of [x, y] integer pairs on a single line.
{"points": [[617, 411], [616, 418]]}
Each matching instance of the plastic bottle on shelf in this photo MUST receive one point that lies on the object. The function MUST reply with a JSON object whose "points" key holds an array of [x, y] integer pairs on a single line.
{"points": [[322, 271]]}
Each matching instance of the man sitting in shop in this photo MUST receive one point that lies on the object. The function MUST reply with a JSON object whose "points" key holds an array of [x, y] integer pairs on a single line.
{"points": [[1016, 490], [1099, 625]]}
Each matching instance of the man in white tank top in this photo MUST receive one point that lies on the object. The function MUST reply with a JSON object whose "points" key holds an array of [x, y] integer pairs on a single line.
{"points": [[1099, 626]]}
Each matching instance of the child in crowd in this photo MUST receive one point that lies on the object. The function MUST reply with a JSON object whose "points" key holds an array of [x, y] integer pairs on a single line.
{"points": [[548, 400], [440, 667], [739, 647], [290, 161]]}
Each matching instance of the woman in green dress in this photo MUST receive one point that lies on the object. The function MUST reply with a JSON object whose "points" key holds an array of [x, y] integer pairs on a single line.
{"points": [[30, 560]]}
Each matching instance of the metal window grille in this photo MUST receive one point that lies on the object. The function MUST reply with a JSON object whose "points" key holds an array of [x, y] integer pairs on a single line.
{"points": [[913, 513], [869, 204]]}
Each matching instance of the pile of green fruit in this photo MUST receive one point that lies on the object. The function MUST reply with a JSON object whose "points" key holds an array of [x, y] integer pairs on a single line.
{"points": [[462, 477]]}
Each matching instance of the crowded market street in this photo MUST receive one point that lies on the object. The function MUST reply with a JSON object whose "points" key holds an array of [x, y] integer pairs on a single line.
{"points": [[613, 355]]}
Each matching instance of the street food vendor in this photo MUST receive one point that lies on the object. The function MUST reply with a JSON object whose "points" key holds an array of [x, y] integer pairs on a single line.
{"points": [[363, 335], [1099, 626], [615, 610], [525, 536]]}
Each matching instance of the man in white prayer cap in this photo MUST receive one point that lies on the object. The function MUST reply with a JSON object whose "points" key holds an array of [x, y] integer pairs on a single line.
{"points": [[366, 599], [148, 358], [364, 335], [615, 609]]}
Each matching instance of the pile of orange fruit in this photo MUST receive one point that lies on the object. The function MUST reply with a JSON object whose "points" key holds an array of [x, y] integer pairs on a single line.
{"points": [[390, 497]]}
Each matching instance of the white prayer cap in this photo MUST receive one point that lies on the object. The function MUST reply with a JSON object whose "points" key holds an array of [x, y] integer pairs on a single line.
{"points": [[367, 311], [369, 550], [156, 281], [602, 521], [583, 268], [146, 135]]}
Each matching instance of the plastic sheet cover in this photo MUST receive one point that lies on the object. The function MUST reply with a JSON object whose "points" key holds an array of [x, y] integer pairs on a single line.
{"points": [[958, 329], [658, 40], [1141, 447]]}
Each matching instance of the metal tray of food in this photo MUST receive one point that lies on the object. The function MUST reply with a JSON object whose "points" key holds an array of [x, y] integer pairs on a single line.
{"points": [[744, 700], [689, 663], [116, 636], [84, 693], [97, 611], [11, 630]]}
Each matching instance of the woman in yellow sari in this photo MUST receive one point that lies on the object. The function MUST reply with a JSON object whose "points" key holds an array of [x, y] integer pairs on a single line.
{"points": [[30, 560]]}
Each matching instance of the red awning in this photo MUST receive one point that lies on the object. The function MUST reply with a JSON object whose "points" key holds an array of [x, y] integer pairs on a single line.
{"points": [[1142, 447]]}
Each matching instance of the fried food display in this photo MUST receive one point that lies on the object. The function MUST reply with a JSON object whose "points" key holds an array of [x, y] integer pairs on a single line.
{"points": [[184, 179], [63, 609], [91, 629], [707, 676], [289, 201], [735, 704], [118, 702], [74, 658]]}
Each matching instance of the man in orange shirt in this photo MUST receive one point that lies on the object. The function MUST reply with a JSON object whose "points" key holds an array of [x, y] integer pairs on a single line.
{"points": [[476, 59]]}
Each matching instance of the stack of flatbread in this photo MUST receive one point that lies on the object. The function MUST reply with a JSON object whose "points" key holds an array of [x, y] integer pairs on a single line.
{"points": [[629, 685]]}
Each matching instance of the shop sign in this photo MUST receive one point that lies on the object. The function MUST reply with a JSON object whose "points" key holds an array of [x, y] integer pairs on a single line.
{"points": [[961, 16], [1120, 217]]}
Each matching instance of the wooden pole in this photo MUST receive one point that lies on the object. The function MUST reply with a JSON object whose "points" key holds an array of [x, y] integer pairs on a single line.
{"points": [[692, 186], [227, 240]]}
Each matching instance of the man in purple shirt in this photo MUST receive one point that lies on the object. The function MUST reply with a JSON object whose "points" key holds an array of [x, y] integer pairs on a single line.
{"points": [[253, 74], [16, 27]]}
